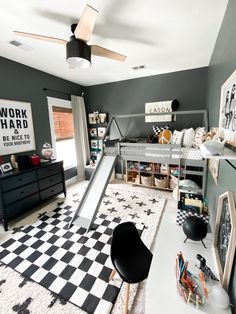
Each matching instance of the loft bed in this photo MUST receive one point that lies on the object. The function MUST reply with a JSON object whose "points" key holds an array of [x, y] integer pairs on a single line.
{"points": [[127, 149], [190, 159]]}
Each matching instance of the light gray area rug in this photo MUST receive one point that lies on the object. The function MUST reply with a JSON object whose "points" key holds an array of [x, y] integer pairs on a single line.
{"points": [[19, 295]]}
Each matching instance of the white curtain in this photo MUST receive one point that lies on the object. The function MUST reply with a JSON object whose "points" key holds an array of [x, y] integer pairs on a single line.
{"points": [[81, 135]]}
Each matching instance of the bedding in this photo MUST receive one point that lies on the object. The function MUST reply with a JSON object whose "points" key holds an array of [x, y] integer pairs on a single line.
{"points": [[186, 153]]}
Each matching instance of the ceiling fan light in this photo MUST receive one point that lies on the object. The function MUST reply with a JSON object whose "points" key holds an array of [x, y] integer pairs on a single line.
{"points": [[78, 53], [75, 62]]}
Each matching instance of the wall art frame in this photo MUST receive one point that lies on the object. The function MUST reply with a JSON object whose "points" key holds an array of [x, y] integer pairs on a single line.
{"points": [[6, 167], [16, 127], [224, 240], [227, 114]]}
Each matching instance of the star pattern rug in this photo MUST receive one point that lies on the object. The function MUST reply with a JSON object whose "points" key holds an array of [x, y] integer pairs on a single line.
{"points": [[73, 266]]}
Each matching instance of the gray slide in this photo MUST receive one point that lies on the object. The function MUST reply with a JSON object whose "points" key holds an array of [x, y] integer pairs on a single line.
{"points": [[91, 200]]}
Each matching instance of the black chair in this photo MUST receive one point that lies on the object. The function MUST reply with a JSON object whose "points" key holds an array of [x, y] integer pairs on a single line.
{"points": [[130, 257]]}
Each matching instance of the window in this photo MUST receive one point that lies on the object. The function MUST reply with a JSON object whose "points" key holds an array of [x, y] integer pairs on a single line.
{"points": [[62, 131]]}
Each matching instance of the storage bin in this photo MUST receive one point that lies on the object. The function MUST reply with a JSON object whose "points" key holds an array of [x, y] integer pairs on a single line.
{"points": [[146, 179], [160, 181]]}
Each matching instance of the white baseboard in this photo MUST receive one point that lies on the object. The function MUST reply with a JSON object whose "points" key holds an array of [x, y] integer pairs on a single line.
{"points": [[73, 180], [119, 176]]}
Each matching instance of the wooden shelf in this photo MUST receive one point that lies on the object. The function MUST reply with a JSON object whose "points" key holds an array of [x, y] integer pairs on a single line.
{"points": [[163, 181], [98, 125], [137, 176]]}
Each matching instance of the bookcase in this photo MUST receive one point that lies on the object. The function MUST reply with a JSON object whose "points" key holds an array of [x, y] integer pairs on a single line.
{"points": [[96, 129], [153, 174]]}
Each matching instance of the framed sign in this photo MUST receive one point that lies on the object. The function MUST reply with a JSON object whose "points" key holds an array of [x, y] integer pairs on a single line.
{"points": [[16, 127], [224, 240], [227, 118], [161, 107]]}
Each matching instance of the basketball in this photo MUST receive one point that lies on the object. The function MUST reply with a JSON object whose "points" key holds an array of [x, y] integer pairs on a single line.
{"points": [[164, 137]]}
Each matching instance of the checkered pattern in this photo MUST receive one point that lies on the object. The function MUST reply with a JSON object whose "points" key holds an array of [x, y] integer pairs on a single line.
{"points": [[69, 262], [183, 214], [156, 130]]}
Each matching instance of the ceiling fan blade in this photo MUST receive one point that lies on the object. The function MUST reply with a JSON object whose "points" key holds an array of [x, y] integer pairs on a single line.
{"points": [[41, 37], [106, 53], [86, 23]]}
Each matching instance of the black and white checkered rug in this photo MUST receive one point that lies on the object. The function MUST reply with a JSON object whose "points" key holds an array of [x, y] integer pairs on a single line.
{"points": [[72, 265]]}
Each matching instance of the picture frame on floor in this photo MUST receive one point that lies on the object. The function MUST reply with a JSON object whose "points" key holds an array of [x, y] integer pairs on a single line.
{"points": [[224, 241]]}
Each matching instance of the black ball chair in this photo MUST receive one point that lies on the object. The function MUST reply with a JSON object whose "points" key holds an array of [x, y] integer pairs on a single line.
{"points": [[129, 255], [195, 228]]}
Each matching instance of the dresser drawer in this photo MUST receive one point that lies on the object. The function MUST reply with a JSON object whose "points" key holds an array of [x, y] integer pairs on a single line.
{"points": [[49, 170], [49, 181], [18, 180], [21, 206], [17, 194], [56, 189]]}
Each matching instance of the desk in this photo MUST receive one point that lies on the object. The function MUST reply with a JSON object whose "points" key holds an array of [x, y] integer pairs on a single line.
{"points": [[161, 294]]}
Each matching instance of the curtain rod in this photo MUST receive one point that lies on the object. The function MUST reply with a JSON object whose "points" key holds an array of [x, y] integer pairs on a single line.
{"points": [[57, 91]]}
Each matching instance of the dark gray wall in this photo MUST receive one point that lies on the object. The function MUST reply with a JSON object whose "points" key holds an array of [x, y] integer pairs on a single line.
{"points": [[130, 96], [22, 83], [223, 63]]}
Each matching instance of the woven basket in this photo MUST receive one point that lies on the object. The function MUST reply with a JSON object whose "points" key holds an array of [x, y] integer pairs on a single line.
{"points": [[146, 180], [160, 182]]}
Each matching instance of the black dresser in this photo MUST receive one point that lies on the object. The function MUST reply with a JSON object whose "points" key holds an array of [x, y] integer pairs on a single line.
{"points": [[21, 191]]}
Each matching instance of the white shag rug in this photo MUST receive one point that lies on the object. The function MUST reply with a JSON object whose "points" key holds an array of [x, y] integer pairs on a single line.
{"points": [[19, 295]]}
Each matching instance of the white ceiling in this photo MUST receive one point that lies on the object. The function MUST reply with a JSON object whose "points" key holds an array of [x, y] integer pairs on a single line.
{"points": [[163, 35]]}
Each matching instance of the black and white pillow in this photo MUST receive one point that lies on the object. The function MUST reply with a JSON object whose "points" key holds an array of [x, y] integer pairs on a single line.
{"points": [[157, 130]]}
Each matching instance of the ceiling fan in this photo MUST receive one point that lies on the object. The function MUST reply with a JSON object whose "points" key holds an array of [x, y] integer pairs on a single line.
{"points": [[78, 52]]}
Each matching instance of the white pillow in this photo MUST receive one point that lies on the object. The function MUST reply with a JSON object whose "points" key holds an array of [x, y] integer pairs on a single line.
{"points": [[188, 137], [177, 137]]}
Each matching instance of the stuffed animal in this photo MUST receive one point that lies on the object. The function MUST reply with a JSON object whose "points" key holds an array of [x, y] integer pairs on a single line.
{"points": [[47, 151]]}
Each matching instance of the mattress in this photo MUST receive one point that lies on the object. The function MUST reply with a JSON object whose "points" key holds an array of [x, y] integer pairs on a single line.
{"points": [[191, 153]]}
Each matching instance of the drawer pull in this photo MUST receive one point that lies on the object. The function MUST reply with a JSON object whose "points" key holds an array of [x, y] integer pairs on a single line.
{"points": [[52, 190], [51, 180], [22, 192], [20, 179]]}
